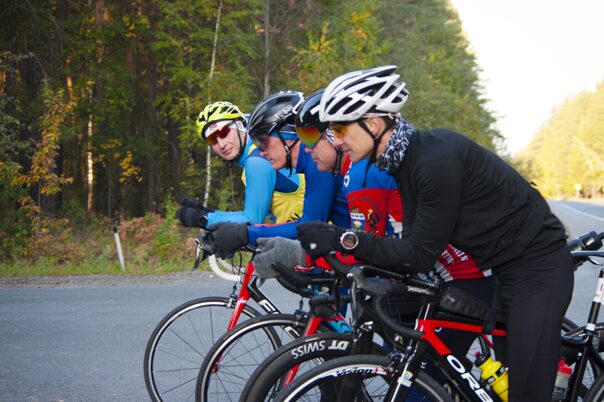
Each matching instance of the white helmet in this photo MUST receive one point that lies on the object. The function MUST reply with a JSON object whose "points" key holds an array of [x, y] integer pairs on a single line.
{"points": [[353, 95]]}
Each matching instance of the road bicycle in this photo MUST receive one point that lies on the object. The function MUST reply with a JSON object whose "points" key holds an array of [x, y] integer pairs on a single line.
{"points": [[229, 363], [179, 343], [305, 352], [231, 360], [397, 376]]}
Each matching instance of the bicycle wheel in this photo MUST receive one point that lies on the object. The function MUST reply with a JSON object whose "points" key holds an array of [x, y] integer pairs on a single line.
{"points": [[595, 365], [371, 374], [596, 393], [233, 358], [304, 353], [179, 343]]}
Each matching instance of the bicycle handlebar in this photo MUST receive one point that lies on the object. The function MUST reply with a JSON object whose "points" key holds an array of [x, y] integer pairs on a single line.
{"points": [[205, 240], [381, 289], [291, 275], [393, 325], [587, 241]]}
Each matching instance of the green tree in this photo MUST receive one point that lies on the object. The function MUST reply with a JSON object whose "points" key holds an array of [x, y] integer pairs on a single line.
{"points": [[569, 148]]}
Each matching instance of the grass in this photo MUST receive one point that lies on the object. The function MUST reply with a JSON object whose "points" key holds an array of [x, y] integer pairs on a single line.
{"points": [[152, 245], [51, 267]]}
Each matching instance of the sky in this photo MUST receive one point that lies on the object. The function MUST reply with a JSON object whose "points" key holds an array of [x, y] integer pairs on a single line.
{"points": [[533, 54]]}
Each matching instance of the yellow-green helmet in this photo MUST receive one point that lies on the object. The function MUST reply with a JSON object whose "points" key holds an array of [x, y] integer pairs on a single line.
{"points": [[214, 112]]}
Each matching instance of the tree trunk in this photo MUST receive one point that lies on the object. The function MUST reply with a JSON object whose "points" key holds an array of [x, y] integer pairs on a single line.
{"points": [[267, 86], [89, 161], [99, 18], [174, 158], [211, 75]]}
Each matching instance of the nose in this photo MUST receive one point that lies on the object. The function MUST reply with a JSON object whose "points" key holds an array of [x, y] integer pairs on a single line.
{"points": [[307, 150], [221, 141]]}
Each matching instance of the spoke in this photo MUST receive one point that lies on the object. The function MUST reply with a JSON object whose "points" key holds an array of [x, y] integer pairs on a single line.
{"points": [[178, 386], [175, 370], [188, 344], [195, 328], [178, 356], [245, 352]]}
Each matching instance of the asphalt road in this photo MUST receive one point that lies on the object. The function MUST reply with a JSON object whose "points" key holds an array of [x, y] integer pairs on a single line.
{"points": [[87, 343]]}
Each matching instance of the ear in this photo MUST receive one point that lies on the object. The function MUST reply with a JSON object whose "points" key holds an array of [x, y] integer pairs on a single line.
{"points": [[375, 124]]}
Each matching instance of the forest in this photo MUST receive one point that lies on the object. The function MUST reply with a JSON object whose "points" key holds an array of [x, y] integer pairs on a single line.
{"points": [[98, 100], [566, 156]]}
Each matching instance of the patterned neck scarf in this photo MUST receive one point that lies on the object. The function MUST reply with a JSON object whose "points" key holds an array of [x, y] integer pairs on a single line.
{"points": [[395, 150]]}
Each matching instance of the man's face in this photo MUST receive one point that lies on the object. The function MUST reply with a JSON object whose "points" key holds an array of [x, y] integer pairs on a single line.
{"points": [[226, 138], [272, 149], [324, 155], [352, 139]]}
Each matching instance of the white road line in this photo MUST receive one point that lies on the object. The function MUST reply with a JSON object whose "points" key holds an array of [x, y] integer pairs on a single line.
{"points": [[581, 212]]}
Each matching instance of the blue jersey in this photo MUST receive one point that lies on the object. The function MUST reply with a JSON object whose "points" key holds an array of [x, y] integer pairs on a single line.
{"points": [[261, 182], [323, 201]]}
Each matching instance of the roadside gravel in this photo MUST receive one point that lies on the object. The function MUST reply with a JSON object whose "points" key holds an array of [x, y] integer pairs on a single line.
{"points": [[179, 278]]}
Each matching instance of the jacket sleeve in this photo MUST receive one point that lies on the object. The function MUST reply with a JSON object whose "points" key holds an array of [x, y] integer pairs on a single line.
{"points": [[437, 184], [319, 198], [260, 178]]}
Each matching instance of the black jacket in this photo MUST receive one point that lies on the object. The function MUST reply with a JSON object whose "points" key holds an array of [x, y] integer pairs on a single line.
{"points": [[456, 191]]}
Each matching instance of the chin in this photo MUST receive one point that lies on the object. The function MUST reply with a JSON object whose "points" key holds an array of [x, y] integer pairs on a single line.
{"points": [[277, 165], [323, 168]]}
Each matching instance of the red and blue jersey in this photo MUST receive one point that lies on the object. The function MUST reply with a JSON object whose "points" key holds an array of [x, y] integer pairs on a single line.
{"points": [[376, 207]]}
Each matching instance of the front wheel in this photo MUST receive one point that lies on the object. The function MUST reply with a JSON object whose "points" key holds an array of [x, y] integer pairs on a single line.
{"points": [[302, 355], [596, 392], [228, 365], [370, 377], [595, 365], [179, 344]]}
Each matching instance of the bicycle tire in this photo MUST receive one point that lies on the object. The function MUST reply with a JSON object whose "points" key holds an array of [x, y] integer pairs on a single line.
{"points": [[371, 366], [596, 392], [174, 350], [238, 352], [595, 365], [266, 381]]}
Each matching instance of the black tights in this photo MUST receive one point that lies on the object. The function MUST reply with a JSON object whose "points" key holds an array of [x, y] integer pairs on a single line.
{"points": [[531, 297]]}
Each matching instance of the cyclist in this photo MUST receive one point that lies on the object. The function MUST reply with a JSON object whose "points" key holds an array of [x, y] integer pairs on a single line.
{"points": [[271, 126], [269, 194], [375, 206], [455, 191]]}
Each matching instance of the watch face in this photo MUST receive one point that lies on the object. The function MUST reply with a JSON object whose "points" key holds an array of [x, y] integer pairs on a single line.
{"points": [[349, 240], [203, 221]]}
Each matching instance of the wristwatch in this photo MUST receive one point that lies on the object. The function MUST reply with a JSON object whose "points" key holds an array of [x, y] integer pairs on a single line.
{"points": [[349, 240], [203, 221]]}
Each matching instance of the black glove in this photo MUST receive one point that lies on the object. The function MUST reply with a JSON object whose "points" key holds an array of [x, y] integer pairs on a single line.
{"points": [[228, 237], [319, 238], [193, 203], [191, 217]]}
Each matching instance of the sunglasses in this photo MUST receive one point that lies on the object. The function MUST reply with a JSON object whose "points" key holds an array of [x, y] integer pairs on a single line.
{"points": [[219, 130], [261, 142], [310, 136], [340, 129]]}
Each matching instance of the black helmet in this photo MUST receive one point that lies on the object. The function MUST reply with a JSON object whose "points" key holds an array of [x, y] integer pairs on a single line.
{"points": [[273, 112], [308, 115]]}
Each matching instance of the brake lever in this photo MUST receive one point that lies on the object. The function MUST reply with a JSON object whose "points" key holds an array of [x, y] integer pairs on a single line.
{"points": [[199, 251]]}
